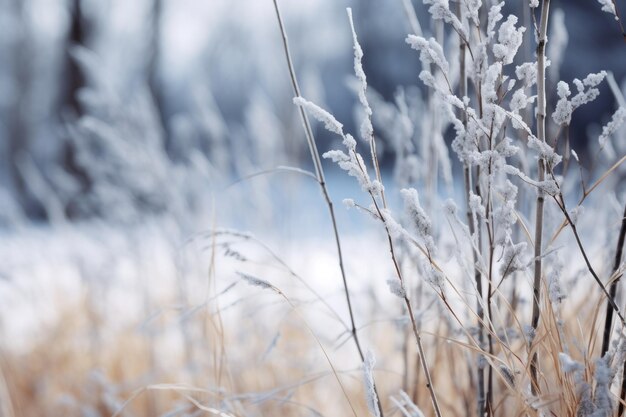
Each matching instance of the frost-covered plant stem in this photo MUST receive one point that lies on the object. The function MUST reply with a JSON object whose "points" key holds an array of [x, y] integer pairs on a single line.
{"points": [[608, 322], [467, 176], [609, 310], [367, 128], [409, 307], [541, 135], [319, 173], [560, 201]]}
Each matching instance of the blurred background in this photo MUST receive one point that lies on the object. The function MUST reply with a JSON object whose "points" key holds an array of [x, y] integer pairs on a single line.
{"points": [[107, 105]]}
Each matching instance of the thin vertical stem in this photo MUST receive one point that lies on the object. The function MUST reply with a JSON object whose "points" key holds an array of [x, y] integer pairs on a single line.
{"points": [[319, 173], [541, 135], [467, 176], [407, 302], [608, 323], [609, 310]]}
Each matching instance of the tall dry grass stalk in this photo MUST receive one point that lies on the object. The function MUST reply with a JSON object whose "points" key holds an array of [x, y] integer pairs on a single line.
{"points": [[541, 172], [319, 172]]}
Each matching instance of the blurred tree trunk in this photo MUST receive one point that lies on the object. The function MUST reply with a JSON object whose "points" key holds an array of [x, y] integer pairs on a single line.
{"points": [[71, 109], [75, 78], [155, 76], [19, 134]]}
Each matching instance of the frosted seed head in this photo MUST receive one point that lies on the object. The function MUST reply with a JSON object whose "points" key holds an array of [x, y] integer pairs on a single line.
{"points": [[416, 213], [562, 89], [396, 288], [568, 364], [254, 281], [330, 123], [609, 7], [610, 128], [370, 389], [509, 40]]}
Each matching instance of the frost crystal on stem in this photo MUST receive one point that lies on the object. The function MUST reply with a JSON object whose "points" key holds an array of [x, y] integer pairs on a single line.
{"points": [[586, 92], [396, 288], [430, 52], [509, 40], [367, 130], [609, 7], [420, 221], [330, 123], [612, 126], [370, 390], [440, 10]]}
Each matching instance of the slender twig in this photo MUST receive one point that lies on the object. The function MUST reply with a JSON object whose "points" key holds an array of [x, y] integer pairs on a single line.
{"points": [[378, 211], [371, 139], [272, 171], [407, 302], [541, 135], [619, 19], [560, 201], [608, 323], [319, 172], [467, 176]]}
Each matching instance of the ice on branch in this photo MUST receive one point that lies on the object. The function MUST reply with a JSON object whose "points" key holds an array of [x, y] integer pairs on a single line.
{"points": [[471, 8], [520, 101], [490, 82], [555, 292], [367, 130], [563, 112], [353, 164], [396, 288], [527, 72], [549, 186], [586, 92], [395, 229], [349, 203], [509, 40], [430, 52], [330, 123], [545, 151], [612, 126], [533, 4], [513, 258], [609, 7], [440, 10], [418, 217], [505, 214], [433, 276], [493, 18], [370, 389]]}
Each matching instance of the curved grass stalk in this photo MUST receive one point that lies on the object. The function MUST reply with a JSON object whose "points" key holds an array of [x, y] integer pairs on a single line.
{"points": [[319, 173]]}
